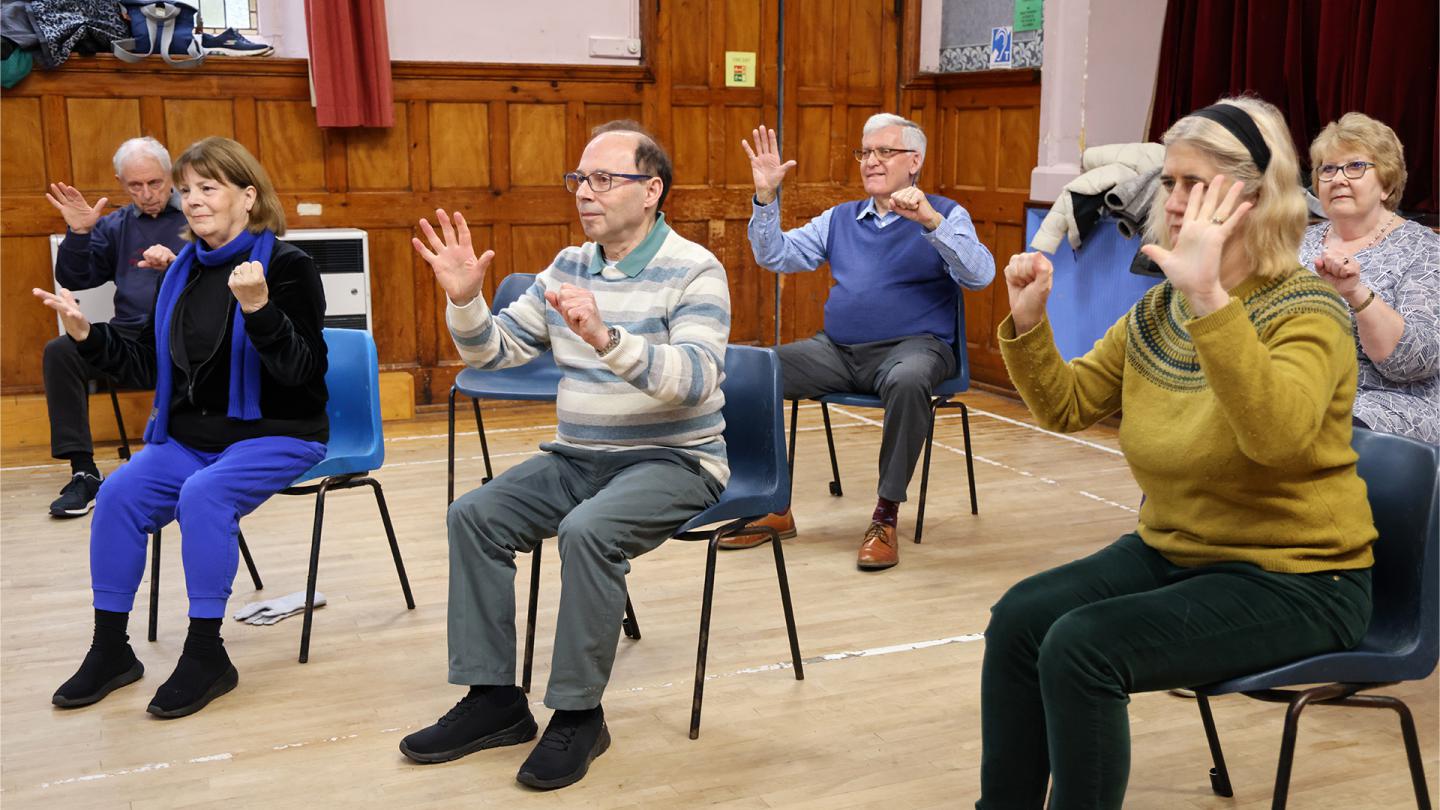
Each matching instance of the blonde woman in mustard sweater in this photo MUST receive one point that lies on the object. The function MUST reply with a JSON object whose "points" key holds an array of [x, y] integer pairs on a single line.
{"points": [[1236, 376]]}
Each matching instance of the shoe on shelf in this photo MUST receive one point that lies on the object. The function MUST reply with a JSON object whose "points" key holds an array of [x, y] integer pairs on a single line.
{"points": [[572, 740], [477, 722], [77, 498], [230, 43], [783, 524]]}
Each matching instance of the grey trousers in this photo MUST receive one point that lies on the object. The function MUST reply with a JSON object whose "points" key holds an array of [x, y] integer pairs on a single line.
{"points": [[606, 508], [902, 372]]}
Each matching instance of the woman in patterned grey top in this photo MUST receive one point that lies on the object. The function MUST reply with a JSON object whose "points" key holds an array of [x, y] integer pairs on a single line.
{"points": [[1386, 268]]}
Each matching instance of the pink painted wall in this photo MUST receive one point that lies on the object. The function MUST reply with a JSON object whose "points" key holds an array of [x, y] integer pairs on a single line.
{"points": [[545, 31]]}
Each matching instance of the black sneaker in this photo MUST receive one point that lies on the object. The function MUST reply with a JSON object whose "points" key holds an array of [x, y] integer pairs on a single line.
{"points": [[77, 498], [572, 740], [479, 721], [103, 671], [230, 43]]}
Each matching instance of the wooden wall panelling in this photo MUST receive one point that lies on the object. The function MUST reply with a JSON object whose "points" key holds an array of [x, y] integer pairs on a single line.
{"points": [[95, 127], [22, 147], [187, 120], [292, 148], [28, 323], [379, 159], [537, 144], [461, 151]]}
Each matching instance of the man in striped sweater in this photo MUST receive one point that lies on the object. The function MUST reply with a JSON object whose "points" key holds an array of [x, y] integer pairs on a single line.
{"points": [[638, 318]]}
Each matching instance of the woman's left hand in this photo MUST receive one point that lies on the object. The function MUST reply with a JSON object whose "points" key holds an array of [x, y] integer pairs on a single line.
{"points": [[1193, 262], [1341, 271], [247, 282]]}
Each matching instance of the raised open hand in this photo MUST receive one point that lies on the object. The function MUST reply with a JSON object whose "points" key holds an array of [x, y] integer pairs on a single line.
{"points": [[459, 273], [74, 321], [80, 216], [1028, 278], [1193, 263], [765, 165]]}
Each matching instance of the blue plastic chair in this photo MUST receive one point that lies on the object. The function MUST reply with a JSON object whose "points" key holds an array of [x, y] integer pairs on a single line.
{"points": [[759, 484], [537, 381], [1403, 641], [941, 397], [356, 446]]}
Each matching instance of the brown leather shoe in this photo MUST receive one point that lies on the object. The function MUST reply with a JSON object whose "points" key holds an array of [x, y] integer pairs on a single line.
{"points": [[783, 523], [879, 549]]}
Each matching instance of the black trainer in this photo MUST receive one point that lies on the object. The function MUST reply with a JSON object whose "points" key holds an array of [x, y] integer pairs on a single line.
{"points": [[571, 741], [488, 717], [77, 498], [194, 683], [102, 672]]}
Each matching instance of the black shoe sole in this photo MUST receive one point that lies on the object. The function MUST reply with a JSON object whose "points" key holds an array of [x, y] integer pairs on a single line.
{"points": [[125, 678], [226, 682], [523, 731], [602, 744]]}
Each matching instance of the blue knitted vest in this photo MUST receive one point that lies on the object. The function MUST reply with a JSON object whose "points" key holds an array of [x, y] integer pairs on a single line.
{"points": [[889, 282]]}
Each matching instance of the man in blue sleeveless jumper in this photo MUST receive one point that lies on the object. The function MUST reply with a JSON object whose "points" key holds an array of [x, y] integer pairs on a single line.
{"points": [[898, 259], [131, 246]]}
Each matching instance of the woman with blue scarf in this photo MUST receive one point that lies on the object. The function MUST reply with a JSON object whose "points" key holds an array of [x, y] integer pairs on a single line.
{"points": [[237, 359]]}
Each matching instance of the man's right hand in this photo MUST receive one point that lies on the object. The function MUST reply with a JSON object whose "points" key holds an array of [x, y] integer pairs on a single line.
{"points": [[765, 164], [79, 215], [156, 257], [459, 273], [1028, 278]]}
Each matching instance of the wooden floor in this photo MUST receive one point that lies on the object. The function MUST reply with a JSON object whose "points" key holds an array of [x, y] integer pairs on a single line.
{"points": [[887, 716]]}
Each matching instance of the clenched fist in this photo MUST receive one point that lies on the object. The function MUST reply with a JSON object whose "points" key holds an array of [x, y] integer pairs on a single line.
{"points": [[911, 203], [156, 257], [247, 282], [577, 307], [1028, 278]]}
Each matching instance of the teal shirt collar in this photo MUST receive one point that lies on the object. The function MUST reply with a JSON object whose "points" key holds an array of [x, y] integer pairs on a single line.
{"points": [[637, 259]]}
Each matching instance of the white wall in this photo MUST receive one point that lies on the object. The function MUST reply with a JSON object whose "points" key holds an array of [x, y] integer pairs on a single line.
{"points": [[545, 31]]}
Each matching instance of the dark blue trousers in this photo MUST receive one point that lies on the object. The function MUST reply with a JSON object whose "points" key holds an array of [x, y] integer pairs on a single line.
{"points": [[207, 493]]}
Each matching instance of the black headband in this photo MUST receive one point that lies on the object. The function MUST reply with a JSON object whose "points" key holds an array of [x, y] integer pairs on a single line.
{"points": [[1238, 123]]}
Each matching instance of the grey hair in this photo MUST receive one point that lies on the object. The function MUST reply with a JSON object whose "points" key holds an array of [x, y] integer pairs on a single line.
{"points": [[910, 132], [142, 147]]}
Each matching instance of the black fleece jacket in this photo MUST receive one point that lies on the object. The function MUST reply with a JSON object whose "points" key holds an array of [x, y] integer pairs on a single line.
{"points": [[286, 332]]}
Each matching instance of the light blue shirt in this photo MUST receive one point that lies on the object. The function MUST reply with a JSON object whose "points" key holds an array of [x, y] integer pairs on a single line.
{"points": [[803, 248]]}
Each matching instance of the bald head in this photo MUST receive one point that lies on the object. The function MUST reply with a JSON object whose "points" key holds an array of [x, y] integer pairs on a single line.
{"points": [[649, 157]]}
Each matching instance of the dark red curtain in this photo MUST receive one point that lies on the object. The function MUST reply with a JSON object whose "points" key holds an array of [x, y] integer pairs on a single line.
{"points": [[1316, 60], [350, 63]]}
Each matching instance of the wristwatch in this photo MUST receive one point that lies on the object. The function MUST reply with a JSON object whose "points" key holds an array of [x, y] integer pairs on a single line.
{"points": [[610, 347]]}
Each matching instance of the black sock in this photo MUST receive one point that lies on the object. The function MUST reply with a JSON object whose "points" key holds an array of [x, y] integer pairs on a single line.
{"points": [[202, 662], [83, 462], [498, 695], [110, 629], [887, 512]]}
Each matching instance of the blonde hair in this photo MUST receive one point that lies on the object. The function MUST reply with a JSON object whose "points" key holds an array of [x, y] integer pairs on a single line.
{"points": [[1271, 231], [225, 160], [1364, 134]]}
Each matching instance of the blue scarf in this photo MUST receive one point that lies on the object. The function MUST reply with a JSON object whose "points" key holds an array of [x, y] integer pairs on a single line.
{"points": [[244, 359]]}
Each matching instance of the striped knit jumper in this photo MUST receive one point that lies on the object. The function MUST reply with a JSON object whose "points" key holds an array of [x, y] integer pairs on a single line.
{"points": [[1236, 424], [660, 387]]}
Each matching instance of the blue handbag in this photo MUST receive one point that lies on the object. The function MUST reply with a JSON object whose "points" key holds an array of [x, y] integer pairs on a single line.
{"points": [[166, 28]]}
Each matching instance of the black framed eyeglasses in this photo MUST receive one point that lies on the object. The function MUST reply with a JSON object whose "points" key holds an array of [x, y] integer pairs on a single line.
{"points": [[599, 181], [882, 152], [1354, 170]]}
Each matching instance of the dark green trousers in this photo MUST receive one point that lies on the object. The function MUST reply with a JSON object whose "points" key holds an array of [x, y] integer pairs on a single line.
{"points": [[1066, 648]]}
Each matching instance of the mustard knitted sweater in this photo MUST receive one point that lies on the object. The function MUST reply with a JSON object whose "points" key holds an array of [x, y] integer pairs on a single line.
{"points": [[1236, 426]]}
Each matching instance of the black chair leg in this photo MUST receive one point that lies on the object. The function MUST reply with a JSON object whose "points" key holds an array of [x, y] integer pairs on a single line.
{"points": [[154, 584], [124, 450], [1291, 731], [969, 457], [925, 473], [1412, 741], [450, 456], [484, 444], [630, 624], [394, 545], [249, 561], [789, 609], [794, 418], [704, 643], [529, 659], [314, 570], [835, 488], [1219, 775]]}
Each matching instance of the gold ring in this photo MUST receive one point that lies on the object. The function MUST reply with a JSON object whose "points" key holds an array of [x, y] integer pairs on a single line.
{"points": [[1217, 220]]}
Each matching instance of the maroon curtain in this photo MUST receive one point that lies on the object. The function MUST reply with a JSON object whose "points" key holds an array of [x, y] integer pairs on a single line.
{"points": [[1316, 60], [350, 63]]}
